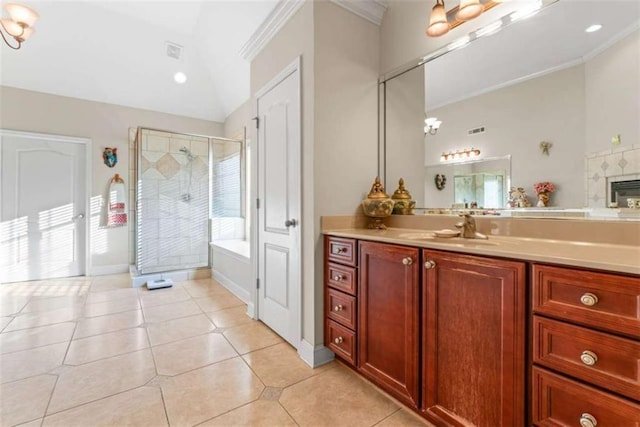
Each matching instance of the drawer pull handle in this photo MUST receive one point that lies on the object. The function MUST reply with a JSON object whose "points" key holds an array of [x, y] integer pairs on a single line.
{"points": [[338, 307], [339, 341], [589, 358], [407, 261], [429, 265], [338, 277], [341, 250], [588, 420], [589, 299]]}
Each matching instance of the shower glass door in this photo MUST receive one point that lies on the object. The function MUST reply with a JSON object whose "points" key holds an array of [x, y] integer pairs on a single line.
{"points": [[172, 201]]}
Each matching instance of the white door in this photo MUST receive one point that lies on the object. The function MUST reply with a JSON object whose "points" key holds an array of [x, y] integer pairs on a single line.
{"points": [[279, 271], [42, 206]]}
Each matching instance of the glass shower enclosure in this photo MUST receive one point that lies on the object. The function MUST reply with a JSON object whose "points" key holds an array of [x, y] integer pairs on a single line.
{"points": [[172, 201]]}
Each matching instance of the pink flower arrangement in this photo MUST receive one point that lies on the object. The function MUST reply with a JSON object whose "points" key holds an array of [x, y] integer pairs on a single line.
{"points": [[544, 187]]}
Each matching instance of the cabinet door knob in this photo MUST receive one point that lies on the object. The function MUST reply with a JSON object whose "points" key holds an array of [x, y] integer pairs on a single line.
{"points": [[429, 265], [588, 420], [341, 250], [338, 307], [338, 340], [589, 358], [338, 277], [589, 299], [407, 261]]}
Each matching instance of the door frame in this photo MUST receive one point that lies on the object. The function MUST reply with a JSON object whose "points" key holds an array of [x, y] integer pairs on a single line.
{"points": [[89, 178], [253, 310]]}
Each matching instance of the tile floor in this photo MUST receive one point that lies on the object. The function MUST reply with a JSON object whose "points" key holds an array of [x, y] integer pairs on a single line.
{"points": [[95, 352]]}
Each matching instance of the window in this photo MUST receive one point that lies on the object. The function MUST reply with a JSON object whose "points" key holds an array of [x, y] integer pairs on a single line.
{"points": [[227, 189]]}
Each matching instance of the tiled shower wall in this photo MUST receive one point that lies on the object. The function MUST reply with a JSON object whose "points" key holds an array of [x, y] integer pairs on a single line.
{"points": [[173, 200], [604, 167]]}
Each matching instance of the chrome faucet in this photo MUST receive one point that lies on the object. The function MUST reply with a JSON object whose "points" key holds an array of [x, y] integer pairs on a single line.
{"points": [[468, 226]]}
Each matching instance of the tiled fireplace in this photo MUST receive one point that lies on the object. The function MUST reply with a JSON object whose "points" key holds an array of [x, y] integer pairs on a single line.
{"points": [[604, 167]]}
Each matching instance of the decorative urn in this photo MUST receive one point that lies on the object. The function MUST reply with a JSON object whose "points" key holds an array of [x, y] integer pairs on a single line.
{"points": [[378, 205], [403, 205]]}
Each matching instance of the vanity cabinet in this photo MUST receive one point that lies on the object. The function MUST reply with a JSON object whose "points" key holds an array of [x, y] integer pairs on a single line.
{"points": [[389, 318], [473, 337], [586, 348]]}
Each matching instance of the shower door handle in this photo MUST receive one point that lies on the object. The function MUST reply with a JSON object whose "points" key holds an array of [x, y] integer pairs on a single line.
{"points": [[290, 223], [79, 216]]}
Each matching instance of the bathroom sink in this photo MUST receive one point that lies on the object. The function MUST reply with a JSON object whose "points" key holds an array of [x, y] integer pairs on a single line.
{"points": [[429, 236]]}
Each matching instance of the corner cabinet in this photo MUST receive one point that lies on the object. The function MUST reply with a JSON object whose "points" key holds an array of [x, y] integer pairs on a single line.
{"points": [[473, 349], [389, 318]]}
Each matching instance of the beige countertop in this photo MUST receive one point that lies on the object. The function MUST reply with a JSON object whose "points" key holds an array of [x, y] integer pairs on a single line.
{"points": [[599, 256]]}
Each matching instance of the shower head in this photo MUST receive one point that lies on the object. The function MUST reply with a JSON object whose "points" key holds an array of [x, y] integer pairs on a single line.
{"points": [[187, 152]]}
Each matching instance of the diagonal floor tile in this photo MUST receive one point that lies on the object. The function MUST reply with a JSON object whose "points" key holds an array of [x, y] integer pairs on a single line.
{"points": [[230, 317], [4, 321], [140, 407], [98, 347], [108, 323], [163, 296], [36, 337], [202, 394], [251, 337], [177, 329], [218, 301], [404, 418], [106, 283], [32, 320], [280, 365], [111, 295], [86, 383], [182, 356], [111, 307], [336, 397], [28, 363], [25, 400], [261, 413], [39, 304], [203, 288], [166, 312], [12, 304]]}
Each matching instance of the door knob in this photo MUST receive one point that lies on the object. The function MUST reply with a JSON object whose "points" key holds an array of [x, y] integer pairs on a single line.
{"points": [[79, 216], [429, 265], [290, 223]]}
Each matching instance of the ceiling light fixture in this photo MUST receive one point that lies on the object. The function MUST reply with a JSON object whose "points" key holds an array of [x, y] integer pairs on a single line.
{"points": [[180, 77], [20, 25], [438, 24], [593, 28], [431, 125]]}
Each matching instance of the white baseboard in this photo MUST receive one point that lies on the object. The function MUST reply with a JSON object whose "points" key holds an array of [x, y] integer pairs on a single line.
{"points": [[251, 310], [233, 287], [314, 356], [102, 270]]}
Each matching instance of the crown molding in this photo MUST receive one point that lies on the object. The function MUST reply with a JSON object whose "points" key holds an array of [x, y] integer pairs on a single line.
{"points": [[371, 10], [279, 16], [615, 39]]}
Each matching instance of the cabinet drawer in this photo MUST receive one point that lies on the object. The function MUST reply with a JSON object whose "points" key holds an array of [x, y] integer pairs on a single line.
{"points": [[341, 250], [606, 301], [601, 359], [341, 341], [341, 308], [558, 401], [342, 277]]}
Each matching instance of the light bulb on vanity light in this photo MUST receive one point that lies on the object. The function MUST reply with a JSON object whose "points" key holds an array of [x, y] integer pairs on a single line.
{"points": [[469, 9], [438, 23]]}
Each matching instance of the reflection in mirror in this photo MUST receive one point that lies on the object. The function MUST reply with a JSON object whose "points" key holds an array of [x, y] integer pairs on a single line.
{"points": [[540, 80]]}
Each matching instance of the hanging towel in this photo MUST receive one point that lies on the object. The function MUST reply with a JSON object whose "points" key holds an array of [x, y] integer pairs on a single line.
{"points": [[117, 209]]}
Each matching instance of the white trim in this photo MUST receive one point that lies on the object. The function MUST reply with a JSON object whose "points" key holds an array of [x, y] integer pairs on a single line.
{"points": [[103, 270], [231, 254], [314, 356], [621, 35], [279, 16], [275, 81], [251, 310], [232, 286], [371, 10]]}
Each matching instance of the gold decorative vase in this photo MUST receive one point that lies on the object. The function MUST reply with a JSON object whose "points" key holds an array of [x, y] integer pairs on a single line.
{"points": [[543, 199], [378, 205], [403, 205]]}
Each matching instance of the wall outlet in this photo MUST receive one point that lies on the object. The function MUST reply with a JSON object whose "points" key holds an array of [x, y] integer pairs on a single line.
{"points": [[615, 140]]}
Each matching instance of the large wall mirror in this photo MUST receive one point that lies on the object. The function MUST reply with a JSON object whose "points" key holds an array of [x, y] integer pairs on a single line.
{"points": [[534, 98]]}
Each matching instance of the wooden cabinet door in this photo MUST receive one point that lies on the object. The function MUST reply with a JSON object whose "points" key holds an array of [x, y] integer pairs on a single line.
{"points": [[388, 310], [473, 340]]}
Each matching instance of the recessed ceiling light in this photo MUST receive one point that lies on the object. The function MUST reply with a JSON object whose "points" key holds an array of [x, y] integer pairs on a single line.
{"points": [[180, 77], [593, 28]]}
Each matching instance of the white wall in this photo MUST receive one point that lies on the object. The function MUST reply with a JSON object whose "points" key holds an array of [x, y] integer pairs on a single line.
{"points": [[612, 85], [107, 126], [517, 118]]}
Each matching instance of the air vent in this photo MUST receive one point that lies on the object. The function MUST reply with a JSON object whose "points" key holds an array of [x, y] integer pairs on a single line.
{"points": [[174, 50], [475, 131]]}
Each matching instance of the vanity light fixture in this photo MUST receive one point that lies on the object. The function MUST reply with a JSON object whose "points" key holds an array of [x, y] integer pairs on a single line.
{"points": [[438, 23], [593, 28], [460, 155], [469, 9], [441, 20], [19, 25], [431, 125]]}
